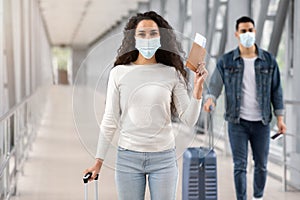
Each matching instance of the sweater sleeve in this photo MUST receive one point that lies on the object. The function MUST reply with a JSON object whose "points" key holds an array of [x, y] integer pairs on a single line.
{"points": [[188, 108], [111, 116]]}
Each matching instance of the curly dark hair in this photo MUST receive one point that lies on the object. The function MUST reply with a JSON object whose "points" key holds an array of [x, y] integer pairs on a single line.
{"points": [[169, 52]]}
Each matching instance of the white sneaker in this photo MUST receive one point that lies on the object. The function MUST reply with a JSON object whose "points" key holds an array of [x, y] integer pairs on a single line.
{"points": [[257, 198]]}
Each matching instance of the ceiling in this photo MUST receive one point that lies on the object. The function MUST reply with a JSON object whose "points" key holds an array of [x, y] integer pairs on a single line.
{"points": [[80, 22]]}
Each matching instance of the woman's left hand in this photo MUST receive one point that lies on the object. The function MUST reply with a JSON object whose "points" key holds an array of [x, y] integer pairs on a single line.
{"points": [[200, 76]]}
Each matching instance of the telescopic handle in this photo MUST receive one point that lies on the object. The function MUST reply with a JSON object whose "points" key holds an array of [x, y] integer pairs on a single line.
{"points": [[87, 176]]}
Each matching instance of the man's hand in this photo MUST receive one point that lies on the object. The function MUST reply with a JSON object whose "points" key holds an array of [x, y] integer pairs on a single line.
{"points": [[281, 125], [209, 105]]}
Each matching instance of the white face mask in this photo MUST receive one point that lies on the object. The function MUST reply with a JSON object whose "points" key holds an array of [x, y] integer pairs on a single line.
{"points": [[147, 47], [247, 39]]}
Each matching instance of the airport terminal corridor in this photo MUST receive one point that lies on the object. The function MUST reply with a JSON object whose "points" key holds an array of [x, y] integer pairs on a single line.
{"points": [[69, 67]]}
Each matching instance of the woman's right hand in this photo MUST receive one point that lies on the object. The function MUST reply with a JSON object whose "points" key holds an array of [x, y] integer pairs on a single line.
{"points": [[95, 169]]}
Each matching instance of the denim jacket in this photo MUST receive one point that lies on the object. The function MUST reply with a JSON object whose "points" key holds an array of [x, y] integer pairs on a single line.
{"points": [[230, 74]]}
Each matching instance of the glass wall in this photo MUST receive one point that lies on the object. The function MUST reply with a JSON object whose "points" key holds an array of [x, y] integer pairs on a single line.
{"points": [[25, 74]]}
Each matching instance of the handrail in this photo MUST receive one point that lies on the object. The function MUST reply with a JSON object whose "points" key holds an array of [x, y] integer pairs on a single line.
{"points": [[284, 152], [18, 129], [292, 102], [15, 107]]}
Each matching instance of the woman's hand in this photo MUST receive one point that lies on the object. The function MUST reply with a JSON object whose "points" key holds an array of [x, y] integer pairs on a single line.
{"points": [[200, 76], [95, 169]]}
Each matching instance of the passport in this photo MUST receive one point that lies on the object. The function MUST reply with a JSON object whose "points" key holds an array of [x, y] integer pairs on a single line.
{"points": [[197, 52]]}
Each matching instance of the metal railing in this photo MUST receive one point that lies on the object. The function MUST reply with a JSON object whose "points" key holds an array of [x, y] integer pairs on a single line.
{"points": [[279, 155], [286, 166], [17, 131]]}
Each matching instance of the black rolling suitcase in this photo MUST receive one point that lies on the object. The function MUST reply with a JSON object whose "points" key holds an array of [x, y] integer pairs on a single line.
{"points": [[199, 178]]}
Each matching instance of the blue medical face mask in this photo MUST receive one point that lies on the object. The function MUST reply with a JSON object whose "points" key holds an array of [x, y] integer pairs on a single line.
{"points": [[247, 39], [147, 47]]}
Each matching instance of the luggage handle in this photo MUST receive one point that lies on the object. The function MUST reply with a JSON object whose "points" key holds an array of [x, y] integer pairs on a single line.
{"points": [[209, 130], [86, 178]]}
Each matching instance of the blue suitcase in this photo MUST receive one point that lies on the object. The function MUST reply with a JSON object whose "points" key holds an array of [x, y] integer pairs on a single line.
{"points": [[199, 173], [199, 178]]}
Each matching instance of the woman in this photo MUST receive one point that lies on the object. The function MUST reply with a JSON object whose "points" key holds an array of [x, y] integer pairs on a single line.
{"points": [[146, 86]]}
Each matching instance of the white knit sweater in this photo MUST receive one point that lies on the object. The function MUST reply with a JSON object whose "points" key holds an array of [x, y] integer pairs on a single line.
{"points": [[138, 103]]}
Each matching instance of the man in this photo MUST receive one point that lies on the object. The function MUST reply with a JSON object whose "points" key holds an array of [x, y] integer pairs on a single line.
{"points": [[252, 83]]}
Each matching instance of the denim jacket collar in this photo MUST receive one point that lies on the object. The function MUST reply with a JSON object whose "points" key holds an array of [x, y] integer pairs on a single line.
{"points": [[260, 55]]}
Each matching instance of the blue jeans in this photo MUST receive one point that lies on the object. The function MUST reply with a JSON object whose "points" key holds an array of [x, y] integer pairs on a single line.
{"points": [[133, 168], [259, 137]]}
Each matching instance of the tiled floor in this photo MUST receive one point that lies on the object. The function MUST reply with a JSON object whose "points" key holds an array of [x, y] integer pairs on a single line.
{"points": [[54, 168]]}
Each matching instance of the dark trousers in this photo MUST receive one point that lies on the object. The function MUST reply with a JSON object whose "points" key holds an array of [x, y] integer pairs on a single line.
{"points": [[258, 135]]}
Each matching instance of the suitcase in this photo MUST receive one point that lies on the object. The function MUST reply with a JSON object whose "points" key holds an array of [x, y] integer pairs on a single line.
{"points": [[199, 173], [199, 178], [86, 182]]}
